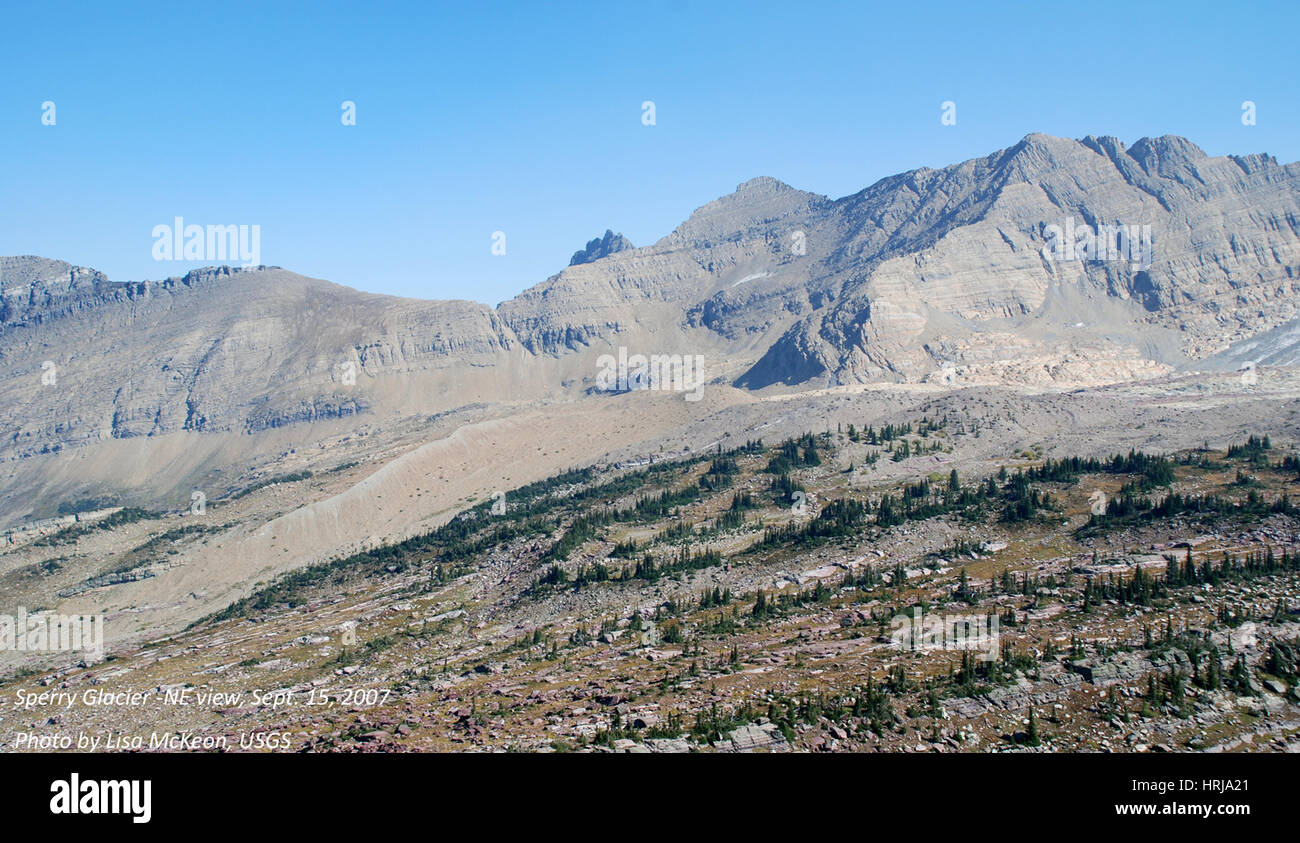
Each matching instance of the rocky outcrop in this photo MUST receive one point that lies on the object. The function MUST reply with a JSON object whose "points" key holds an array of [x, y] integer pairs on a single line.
{"points": [[601, 247]]}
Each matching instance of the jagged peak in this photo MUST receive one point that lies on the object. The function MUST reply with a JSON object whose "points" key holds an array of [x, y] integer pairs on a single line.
{"points": [[1170, 144], [753, 202], [1038, 150], [1104, 143], [1165, 151], [762, 184], [1042, 139], [1033, 146], [1164, 146], [601, 247], [761, 189]]}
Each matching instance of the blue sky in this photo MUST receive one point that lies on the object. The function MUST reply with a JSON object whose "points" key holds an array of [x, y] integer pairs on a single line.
{"points": [[526, 117]]}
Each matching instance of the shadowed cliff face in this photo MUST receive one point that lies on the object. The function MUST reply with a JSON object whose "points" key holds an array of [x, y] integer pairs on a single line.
{"points": [[977, 273]]}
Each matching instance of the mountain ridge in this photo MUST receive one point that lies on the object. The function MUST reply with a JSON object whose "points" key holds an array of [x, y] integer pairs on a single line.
{"points": [[926, 276]]}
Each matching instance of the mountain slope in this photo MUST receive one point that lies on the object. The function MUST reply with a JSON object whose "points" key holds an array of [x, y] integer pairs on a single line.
{"points": [[943, 265], [932, 275]]}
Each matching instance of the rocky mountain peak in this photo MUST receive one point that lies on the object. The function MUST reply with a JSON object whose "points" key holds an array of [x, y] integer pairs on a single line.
{"points": [[762, 186], [1166, 154], [601, 247], [756, 202]]}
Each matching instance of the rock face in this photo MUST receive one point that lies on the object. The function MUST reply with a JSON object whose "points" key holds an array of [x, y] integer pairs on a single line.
{"points": [[935, 268], [948, 265], [155, 386], [947, 276], [601, 247], [35, 289], [219, 350]]}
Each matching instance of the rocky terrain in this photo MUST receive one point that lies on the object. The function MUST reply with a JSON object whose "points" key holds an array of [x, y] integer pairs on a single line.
{"points": [[232, 464], [761, 597]]}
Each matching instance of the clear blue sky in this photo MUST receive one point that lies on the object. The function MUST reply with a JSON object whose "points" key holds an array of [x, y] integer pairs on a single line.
{"points": [[526, 117]]}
